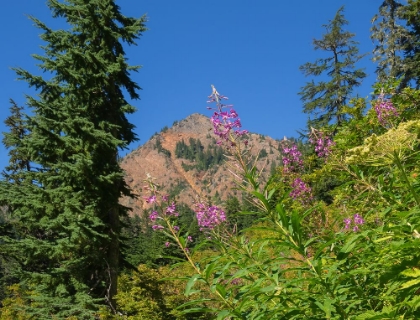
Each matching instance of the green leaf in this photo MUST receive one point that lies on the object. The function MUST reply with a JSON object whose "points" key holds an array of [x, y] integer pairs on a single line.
{"points": [[209, 270], [240, 273], [322, 247], [383, 239], [296, 228], [221, 290], [222, 315], [270, 194], [268, 289], [191, 283], [412, 273], [262, 199], [349, 245], [182, 241], [409, 284], [284, 219], [327, 307]]}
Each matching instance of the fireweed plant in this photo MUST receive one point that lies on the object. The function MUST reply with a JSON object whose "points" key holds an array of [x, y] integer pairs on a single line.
{"points": [[292, 157], [301, 191], [355, 269], [164, 219], [385, 110], [292, 173], [322, 143]]}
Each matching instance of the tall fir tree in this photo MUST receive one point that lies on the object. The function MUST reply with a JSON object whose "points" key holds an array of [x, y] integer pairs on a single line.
{"points": [[66, 203], [18, 162], [13, 139], [325, 99], [411, 61], [389, 35]]}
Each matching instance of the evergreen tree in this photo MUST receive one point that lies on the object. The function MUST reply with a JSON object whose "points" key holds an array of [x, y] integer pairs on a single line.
{"points": [[67, 204], [411, 61], [18, 161], [389, 36], [13, 139], [324, 100]]}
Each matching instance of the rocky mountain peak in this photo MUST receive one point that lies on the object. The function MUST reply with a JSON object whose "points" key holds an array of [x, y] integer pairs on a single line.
{"points": [[187, 163]]}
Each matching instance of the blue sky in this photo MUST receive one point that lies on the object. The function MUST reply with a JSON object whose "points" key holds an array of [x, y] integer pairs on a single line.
{"points": [[250, 50]]}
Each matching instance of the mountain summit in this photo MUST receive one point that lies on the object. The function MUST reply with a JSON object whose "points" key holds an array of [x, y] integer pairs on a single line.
{"points": [[188, 164]]}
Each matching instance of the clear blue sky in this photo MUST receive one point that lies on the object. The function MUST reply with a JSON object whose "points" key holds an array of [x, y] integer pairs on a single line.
{"points": [[250, 50]]}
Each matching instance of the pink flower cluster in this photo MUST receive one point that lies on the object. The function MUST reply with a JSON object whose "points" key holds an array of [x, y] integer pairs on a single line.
{"points": [[356, 222], [322, 144], [292, 160], [151, 199], [154, 215], [385, 110], [226, 124], [170, 210], [209, 217], [301, 191]]}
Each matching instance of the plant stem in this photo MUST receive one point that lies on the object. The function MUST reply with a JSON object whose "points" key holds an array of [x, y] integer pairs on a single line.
{"points": [[404, 175]]}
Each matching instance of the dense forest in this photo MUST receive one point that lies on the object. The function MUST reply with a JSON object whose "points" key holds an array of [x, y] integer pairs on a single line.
{"points": [[333, 234], [194, 151]]}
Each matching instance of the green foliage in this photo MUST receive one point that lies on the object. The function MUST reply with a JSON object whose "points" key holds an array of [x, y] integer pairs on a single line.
{"points": [[325, 99], [202, 159], [12, 140], [141, 244], [140, 295], [161, 149], [144, 246], [263, 153], [234, 210], [176, 189], [355, 257], [411, 61], [64, 206], [143, 295], [349, 252], [389, 36]]}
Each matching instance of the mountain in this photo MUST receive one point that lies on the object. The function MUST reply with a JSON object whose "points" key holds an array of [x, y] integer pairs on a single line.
{"points": [[188, 164]]}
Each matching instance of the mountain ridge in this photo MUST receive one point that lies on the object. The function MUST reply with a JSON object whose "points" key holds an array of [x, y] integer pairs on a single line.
{"points": [[180, 177]]}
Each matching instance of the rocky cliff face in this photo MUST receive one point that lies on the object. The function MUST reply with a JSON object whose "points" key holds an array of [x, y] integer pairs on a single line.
{"points": [[180, 177]]}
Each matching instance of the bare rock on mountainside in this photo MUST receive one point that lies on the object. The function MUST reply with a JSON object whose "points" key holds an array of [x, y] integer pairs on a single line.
{"points": [[187, 164]]}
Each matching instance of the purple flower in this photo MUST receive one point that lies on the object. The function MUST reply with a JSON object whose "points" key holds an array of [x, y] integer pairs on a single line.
{"points": [[157, 227], [209, 217], [292, 161], [189, 238], [165, 198], [225, 122], [153, 216], [176, 228], [170, 210], [167, 244], [356, 221], [151, 199], [347, 223], [301, 191], [322, 143], [385, 110]]}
